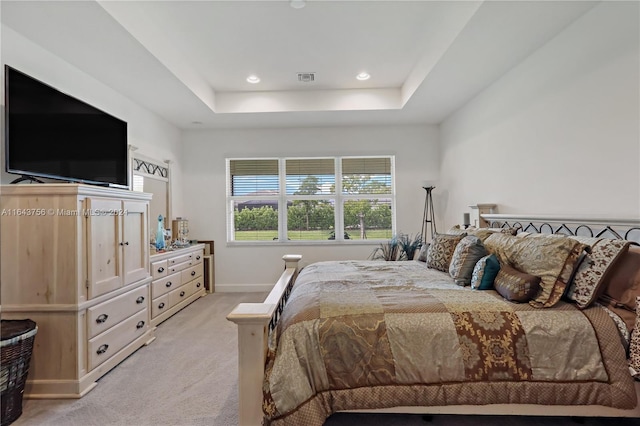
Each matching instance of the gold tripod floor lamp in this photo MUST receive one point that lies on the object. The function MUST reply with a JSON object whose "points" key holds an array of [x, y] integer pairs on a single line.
{"points": [[428, 217]]}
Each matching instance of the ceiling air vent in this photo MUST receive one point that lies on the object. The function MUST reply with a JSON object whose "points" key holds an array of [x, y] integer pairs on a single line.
{"points": [[306, 77]]}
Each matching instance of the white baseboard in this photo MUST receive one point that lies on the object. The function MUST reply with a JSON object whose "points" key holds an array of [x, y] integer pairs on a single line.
{"points": [[243, 288]]}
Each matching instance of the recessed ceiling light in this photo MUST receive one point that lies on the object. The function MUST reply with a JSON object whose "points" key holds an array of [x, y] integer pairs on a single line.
{"points": [[297, 4], [253, 79], [363, 76]]}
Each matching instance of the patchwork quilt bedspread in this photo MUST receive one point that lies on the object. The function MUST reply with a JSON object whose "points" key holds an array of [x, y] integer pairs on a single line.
{"points": [[375, 334]]}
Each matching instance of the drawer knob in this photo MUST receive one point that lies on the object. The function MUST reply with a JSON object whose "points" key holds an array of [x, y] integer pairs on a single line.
{"points": [[140, 325], [102, 349], [169, 284], [102, 318], [198, 285], [161, 269], [126, 243], [161, 305], [139, 300], [198, 257], [193, 273], [181, 293]]}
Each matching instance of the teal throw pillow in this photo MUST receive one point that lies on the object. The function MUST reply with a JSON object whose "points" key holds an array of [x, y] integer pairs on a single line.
{"points": [[485, 272]]}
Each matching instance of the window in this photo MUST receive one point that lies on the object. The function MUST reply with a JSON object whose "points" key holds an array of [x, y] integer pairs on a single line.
{"points": [[310, 199]]}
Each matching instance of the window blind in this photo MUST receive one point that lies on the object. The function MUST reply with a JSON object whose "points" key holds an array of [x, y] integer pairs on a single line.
{"points": [[254, 177]]}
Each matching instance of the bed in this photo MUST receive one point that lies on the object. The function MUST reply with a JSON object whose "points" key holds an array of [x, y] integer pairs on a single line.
{"points": [[403, 337]]}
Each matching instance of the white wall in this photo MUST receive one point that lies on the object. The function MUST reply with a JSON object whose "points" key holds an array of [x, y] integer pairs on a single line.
{"points": [[559, 133], [251, 268], [153, 136]]}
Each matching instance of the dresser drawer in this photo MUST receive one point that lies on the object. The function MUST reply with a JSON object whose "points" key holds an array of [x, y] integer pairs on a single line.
{"points": [[197, 284], [180, 266], [180, 259], [198, 256], [192, 273], [105, 315], [105, 345], [165, 285], [159, 269], [159, 305], [177, 296]]}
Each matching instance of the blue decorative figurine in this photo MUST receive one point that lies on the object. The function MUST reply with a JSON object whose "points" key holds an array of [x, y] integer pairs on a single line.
{"points": [[160, 234]]}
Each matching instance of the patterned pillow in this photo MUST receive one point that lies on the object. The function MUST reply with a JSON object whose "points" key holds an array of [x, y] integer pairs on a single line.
{"points": [[623, 286], [634, 347], [516, 286], [465, 256], [456, 230], [482, 233], [441, 250], [550, 257], [595, 269], [485, 272]]}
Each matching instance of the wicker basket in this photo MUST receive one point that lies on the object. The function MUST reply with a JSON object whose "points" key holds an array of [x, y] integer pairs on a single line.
{"points": [[15, 353]]}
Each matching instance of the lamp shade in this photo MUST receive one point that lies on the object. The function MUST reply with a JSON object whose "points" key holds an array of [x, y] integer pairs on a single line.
{"points": [[428, 183]]}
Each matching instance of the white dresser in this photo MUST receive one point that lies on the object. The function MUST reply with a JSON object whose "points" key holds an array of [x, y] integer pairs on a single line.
{"points": [[75, 259], [178, 280]]}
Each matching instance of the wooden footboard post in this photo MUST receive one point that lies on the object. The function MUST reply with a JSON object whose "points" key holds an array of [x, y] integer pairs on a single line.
{"points": [[253, 331]]}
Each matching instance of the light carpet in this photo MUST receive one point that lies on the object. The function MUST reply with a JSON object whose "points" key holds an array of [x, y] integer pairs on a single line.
{"points": [[188, 377]]}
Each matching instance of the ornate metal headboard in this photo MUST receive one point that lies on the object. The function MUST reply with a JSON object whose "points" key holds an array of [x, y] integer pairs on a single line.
{"points": [[627, 229]]}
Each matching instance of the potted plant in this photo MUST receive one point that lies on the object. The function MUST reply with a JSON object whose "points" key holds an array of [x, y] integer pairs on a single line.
{"points": [[400, 247], [409, 245], [389, 250]]}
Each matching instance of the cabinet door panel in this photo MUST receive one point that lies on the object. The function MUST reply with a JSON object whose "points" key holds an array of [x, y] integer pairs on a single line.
{"points": [[136, 241], [103, 246]]}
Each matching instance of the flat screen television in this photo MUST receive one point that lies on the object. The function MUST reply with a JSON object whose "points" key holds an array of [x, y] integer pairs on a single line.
{"points": [[50, 134]]}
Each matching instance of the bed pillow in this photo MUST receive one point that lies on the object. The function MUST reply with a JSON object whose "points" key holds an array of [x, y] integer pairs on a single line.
{"points": [[482, 233], [592, 272], [456, 230], [441, 250], [550, 257], [516, 286], [465, 256], [422, 255], [634, 347], [485, 272], [623, 286]]}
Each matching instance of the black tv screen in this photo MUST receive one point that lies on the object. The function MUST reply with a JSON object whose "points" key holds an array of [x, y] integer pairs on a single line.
{"points": [[53, 135]]}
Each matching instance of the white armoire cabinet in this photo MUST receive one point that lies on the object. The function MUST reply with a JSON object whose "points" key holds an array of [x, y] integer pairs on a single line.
{"points": [[75, 259]]}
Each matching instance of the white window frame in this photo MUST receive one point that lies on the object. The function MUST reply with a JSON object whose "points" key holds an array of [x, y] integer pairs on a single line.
{"points": [[283, 198]]}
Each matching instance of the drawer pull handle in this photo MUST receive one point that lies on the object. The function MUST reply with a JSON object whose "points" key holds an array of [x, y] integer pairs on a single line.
{"points": [[126, 243], [139, 300], [102, 349], [161, 269], [169, 284], [198, 285], [181, 293], [161, 306], [198, 257], [102, 318], [140, 325], [193, 273]]}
